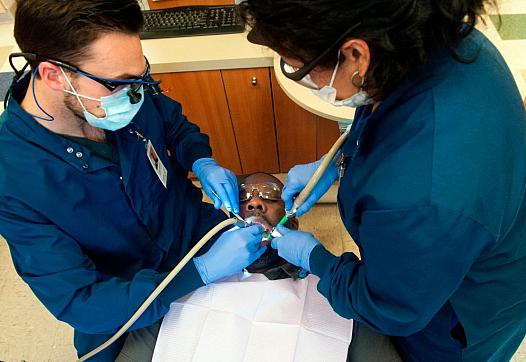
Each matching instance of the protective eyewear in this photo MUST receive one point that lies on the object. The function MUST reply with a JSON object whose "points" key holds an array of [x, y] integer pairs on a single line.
{"points": [[266, 190], [111, 84], [297, 74], [306, 81]]}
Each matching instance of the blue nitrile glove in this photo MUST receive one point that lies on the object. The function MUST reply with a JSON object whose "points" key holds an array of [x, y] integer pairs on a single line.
{"points": [[219, 183], [299, 176], [295, 246], [231, 253]]}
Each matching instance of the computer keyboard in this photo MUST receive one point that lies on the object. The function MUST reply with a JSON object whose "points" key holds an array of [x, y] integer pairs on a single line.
{"points": [[190, 21]]}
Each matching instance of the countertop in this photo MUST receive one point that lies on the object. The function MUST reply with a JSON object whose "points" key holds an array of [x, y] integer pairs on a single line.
{"points": [[229, 51]]}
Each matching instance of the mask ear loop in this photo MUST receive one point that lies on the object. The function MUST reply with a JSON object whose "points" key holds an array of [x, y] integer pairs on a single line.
{"points": [[74, 92], [335, 70], [51, 118]]}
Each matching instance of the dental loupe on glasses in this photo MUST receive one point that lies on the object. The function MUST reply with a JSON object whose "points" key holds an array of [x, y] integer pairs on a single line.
{"points": [[134, 93]]}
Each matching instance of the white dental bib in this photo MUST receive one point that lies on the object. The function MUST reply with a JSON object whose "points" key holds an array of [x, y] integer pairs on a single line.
{"points": [[248, 318]]}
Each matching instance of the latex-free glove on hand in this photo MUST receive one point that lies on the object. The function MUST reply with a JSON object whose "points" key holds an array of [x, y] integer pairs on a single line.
{"points": [[299, 176], [295, 246], [232, 252], [219, 183]]}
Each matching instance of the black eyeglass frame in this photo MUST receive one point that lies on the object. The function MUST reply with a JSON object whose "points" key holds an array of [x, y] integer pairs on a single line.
{"points": [[306, 69], [110, 84]]}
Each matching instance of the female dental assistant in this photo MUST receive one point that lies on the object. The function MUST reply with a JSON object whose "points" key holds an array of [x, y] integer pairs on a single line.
{"points": [[432, 177]]}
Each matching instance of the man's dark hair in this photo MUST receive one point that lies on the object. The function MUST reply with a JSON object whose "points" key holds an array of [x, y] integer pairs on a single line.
{"points": [[64, 29], [401, 34]]}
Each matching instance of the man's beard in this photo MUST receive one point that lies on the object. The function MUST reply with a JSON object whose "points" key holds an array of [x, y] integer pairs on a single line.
{"points": [[270, 258], [72, 104]]}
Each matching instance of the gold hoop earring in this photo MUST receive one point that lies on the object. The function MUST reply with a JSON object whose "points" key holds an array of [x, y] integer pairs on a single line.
{"points": [[357, 73]]}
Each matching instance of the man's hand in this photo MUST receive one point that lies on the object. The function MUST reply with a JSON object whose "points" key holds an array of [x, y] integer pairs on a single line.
{"points": [[218, 183], [232, 252]]}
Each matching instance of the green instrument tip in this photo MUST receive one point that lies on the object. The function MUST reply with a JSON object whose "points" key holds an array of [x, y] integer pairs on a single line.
{"points": [[283, 220]]}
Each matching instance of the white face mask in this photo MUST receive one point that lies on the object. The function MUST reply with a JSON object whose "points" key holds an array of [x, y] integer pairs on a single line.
{"points": [[328, 93], [117, 107]]}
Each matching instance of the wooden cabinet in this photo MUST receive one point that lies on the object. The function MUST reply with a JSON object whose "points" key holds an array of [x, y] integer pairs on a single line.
{"points": [[250, 102], [253, 126], [163, 4], [204, 102]]}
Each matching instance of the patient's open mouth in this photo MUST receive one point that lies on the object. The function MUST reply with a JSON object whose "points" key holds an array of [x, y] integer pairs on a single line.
{"points": [[258, 220], [261, 220]]}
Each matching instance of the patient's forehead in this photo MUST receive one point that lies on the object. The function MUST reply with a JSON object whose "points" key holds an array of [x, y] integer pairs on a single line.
{"points": [[260, 177]]}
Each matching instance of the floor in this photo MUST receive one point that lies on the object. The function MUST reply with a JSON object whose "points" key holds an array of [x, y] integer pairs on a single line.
{"points": [[512, 30]]}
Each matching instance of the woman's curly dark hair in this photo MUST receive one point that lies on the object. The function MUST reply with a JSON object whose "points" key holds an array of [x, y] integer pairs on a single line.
{"points": [[400, 34]]}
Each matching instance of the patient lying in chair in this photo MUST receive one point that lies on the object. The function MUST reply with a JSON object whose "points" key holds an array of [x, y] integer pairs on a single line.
{"points": [[266, 313]]}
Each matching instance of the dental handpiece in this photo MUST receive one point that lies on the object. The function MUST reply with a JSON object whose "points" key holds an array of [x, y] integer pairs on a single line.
{"points": [[237, 216], [241, 220], [316, 176]]}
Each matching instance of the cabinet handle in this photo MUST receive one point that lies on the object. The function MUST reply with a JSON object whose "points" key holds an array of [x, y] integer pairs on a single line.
{"points": [[254, 81]]}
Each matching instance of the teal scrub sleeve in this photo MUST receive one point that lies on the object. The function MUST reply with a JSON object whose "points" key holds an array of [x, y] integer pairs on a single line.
{"points": [[184, 139], [69, 285], [411, 262]]}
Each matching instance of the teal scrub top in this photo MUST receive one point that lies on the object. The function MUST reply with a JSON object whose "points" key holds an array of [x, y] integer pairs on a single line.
{"points": [[433, 193]]}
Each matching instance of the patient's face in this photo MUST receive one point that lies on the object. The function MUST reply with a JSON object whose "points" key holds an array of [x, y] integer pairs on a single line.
{"points": [[260, 201], [263, 204]]}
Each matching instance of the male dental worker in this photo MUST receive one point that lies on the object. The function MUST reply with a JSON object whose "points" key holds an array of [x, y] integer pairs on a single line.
{"points": [[95, 203]]}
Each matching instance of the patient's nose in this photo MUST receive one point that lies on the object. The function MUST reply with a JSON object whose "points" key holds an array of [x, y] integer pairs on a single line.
{"points": [[256, 203]]}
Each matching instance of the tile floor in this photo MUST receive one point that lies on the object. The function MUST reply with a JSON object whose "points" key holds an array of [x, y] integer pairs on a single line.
{"points": [[512, 31]]}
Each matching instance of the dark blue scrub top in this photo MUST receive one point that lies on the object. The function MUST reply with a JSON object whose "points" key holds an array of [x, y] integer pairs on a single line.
{"points": [[93, 238], [434, 195]]}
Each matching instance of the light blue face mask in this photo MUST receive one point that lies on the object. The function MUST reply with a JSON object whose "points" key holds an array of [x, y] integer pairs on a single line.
{"points": [[328, 93], [117, 107]]}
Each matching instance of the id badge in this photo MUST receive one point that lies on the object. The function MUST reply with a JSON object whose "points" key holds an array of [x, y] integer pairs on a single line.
{"points": [[156, 163]]}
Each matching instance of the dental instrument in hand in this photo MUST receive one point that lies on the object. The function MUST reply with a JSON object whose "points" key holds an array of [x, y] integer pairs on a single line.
{"points": [[237, 216], [311, 184]]}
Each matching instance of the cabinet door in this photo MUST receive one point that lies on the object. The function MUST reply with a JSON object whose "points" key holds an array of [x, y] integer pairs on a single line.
{"points": [[204, 102], [250, 103]]}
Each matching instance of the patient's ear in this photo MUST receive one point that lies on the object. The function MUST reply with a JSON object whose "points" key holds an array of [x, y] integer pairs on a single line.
{"points": [[293, 224]]}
